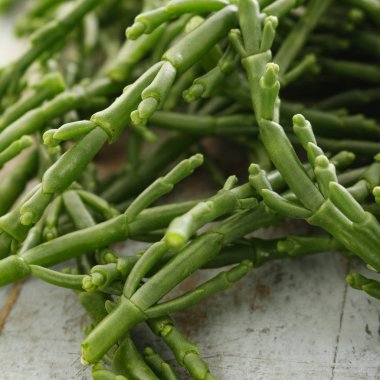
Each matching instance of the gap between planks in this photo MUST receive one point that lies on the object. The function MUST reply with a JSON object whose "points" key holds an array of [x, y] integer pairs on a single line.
{"points": [[333, 366], [11, 300]]}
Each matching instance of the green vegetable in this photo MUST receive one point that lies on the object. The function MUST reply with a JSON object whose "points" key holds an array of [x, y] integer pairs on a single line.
{"points": [[277, 81]]}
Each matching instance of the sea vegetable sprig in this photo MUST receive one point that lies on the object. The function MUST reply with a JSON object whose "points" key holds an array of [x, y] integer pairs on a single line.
{"points": [[193, 256], [348, 214], [14, 183], [186, 352], [49, 86], [360, 282], [44, 40], [57, 178], [230, 199], [178, 59], [91, 236], [113, 79], [329, 205], [107, 276], [109, 123], [195, 46]]}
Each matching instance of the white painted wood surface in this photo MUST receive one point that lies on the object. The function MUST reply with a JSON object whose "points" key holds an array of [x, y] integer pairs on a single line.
{"points": [[10, 47], [288, 320]]}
